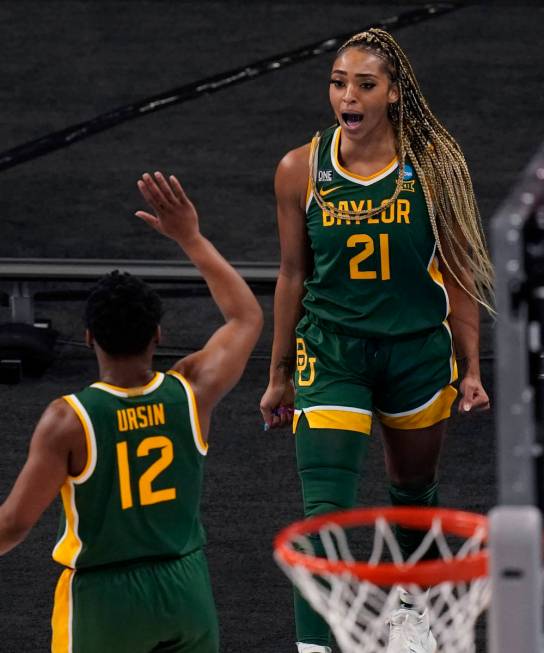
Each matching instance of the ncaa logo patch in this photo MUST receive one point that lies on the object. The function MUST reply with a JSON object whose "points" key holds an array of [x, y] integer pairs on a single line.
{"points": [[408, 172], [408, 181]]}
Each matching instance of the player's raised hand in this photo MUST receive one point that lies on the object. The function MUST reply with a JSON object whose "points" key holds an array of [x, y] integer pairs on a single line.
{"points": [[174, 214]]}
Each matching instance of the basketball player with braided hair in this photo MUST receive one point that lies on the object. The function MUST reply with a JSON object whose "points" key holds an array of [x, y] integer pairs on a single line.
{"points": [[383, 268]]}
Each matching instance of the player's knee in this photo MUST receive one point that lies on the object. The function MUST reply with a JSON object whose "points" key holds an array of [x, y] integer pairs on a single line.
{"points": [[413, 479], [328, 489], [423, 494]]}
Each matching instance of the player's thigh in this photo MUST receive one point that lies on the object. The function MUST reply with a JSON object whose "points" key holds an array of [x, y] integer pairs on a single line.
{"points": [[329, 464], [194, 612], [95, 611], [412, 456], [138, 609], [332, 387]]}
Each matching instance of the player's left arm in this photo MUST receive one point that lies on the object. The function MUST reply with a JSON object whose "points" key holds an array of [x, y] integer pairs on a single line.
{"points": [[464, 320], [42, 476]]}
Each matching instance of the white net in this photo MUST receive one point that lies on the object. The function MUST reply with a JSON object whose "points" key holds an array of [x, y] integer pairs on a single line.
{"points": [[358, 610]]}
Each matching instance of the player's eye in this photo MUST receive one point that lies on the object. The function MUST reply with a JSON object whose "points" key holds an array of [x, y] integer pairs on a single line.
{"points": [[368, 85], [337, 83]]}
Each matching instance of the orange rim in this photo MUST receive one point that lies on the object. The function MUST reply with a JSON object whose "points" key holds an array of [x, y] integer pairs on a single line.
{"points": [[427, 572]]}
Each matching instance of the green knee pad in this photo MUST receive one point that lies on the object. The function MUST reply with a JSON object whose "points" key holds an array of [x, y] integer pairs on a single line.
{"points": [[329, 463], [409, 539]]}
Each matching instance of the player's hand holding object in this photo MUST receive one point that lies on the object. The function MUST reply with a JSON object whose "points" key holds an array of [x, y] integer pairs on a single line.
{"points": [[277, 405]]}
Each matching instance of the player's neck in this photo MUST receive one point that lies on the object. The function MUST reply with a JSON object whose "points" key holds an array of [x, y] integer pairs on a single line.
{"points": [[126, 371], [378, 148], [127, 378]]}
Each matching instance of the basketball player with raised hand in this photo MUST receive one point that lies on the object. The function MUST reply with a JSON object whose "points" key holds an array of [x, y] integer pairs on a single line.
{"points": [[126, 454]]}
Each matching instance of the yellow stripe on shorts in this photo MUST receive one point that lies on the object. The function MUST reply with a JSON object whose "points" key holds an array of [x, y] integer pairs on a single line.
{"points": [[430, 413], [61, 621], [335, 417]]}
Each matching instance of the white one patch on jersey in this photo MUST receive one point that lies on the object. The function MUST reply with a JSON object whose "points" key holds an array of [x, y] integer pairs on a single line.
{"points": [[324, 175]]}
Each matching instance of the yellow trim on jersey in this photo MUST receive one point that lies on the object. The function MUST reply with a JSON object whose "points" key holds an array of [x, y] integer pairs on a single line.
{"points": [[61, 621], [85, 422], [433, 411], [201, 444], [339, 418], [336, 161], [453, 360], [130, 392], [69, 546], [309, 194], [434, 272]]}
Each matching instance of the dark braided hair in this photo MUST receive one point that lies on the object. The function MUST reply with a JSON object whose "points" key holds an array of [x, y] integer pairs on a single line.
{"points": [[122, 314]]}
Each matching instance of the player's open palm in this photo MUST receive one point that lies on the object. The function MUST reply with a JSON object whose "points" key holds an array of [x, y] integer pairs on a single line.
{"points": [[175, 215]]}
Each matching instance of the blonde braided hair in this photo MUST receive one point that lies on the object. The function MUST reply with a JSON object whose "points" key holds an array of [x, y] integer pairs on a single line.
{"points": [[440, 166]]}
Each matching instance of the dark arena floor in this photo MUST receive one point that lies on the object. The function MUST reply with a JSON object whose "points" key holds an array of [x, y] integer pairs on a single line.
{"points": [[65, 62]]}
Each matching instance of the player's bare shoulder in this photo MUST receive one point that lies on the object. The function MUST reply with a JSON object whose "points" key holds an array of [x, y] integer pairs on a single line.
{"points": [[60, 430], [63, 416], [292, 174]]}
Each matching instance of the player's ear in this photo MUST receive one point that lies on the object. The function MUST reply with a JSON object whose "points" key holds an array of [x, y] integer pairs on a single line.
{"points": [[89, 340], [393, 94], [158, 335]]}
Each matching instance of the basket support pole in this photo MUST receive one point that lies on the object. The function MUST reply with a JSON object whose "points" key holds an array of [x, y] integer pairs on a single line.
{"points": [[515, 544]]}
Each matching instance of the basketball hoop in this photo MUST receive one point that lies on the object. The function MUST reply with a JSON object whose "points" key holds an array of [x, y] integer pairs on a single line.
{"points": [[357, 598]]}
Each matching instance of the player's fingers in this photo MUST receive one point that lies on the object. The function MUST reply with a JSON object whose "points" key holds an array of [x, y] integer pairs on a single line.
{"points": [[158, 201], [142, 187], [481, 403], [474, 401], [266, 413], [151, 220], [270, 417], [466, 404], [165, 188], [178, 189], [286, 415]]}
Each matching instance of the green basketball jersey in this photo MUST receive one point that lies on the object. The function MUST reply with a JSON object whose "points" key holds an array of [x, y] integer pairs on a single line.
{"points": [[376, 276], [138, 496]]}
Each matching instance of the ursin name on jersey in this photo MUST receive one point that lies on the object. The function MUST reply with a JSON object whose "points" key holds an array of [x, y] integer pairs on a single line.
{"points": [[129, 419]]}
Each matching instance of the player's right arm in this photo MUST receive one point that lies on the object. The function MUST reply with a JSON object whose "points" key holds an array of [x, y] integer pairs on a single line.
{"points": [[291, 184], [57, 450], [218, 366]]}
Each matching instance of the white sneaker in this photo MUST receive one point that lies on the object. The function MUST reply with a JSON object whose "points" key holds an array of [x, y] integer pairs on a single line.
{"points": [[410, 632]]}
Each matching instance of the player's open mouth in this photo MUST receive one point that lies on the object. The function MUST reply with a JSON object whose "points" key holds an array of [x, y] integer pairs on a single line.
{"points": [[352, 119]]}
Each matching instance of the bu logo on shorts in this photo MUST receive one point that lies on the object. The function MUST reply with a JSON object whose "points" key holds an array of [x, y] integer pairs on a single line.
{"points": [[303, 362]]}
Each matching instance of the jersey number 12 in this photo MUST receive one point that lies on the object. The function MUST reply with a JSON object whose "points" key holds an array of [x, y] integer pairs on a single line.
{"points": [[147, 494]]}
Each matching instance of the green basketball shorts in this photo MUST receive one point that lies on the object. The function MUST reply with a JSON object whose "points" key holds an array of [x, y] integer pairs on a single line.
{"points": [[341, 380], [161, 606]]}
